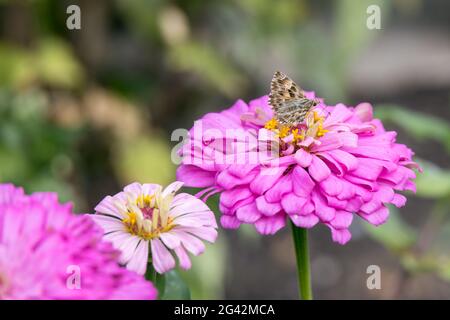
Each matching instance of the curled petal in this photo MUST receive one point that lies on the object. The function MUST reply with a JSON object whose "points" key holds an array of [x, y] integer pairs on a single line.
{"points": [[302, 182], [318, 170], [248, 213], [270, 225], [305, 221]]}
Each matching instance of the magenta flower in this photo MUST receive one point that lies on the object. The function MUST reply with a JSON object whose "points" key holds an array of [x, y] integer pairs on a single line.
{"points": [[145, 215], [338, 163], [46, 252]]}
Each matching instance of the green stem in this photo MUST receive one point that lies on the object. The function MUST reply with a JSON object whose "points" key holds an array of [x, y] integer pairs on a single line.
{"points": [[300, 236]]}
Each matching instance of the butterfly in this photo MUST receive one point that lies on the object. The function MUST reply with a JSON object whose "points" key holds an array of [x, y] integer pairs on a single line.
{"points": [[288, 100]]}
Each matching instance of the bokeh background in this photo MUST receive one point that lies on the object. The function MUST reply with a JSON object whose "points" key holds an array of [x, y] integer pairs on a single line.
{"points": [[84, 112]]}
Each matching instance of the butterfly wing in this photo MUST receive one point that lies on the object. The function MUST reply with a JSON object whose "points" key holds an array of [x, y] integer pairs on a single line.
{"points": [[288, 100]]}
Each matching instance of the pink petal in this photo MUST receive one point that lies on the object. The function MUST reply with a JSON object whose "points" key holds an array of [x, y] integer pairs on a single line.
{"points": [[266, 208], [150, 188], [172, 188], [329, 142], [305, 221], [367, 169], [229, 222], [241, 170], [191, 243], [107, 223], [106, 206], [282, 187], [348, 191], [340, 113], [336, 203], [226, 180], [138, 262], [266, 179], [318, 169], [364, 111], [373, 152], [230, 197], [205, 233], [357, 181], [194, 176], [292, 204], [183, 258], [187, 206], [308, 208], [170, 240], [231, 210], [12, 226], [128, 249], [383, 195], [323, 211], [302, 182], [349, 161], [398, 200], [354, 204], [342, 220], [307, 142], [197, 219], [8, 193], [348, 139], [341, 236], [376, 218], [370, 206], [135, 189], [117, 238], [303, 158], [331, 185], [270, 225]]}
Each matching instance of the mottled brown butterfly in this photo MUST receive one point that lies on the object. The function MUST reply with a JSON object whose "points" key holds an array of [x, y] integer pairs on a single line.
{"points": [[288, 100]]}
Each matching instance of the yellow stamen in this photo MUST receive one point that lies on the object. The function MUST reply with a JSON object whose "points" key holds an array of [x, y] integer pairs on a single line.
{"points": [[297, 137], [321, 131], [317, 117], [144, 201], [130, 219], [155, 217]]}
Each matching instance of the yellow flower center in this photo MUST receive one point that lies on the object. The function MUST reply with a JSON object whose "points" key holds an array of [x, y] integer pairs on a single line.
{"points": [[147, 216], [314, 128]]}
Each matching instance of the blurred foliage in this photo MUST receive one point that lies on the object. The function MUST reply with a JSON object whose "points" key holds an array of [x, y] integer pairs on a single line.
{"points": [[395, 235], [51, 63], [434, 183], [207, 276], [203, 60], [144, 159], [419, 125], [34, 152], [426, 249], [175, 288]]}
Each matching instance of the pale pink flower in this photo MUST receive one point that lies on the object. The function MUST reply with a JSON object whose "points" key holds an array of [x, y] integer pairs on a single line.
{"points": [[339, 162], [146, 216], [46, 252]]}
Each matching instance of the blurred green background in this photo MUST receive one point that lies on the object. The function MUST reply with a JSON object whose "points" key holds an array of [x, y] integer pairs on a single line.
{"points": [[84, 112]]}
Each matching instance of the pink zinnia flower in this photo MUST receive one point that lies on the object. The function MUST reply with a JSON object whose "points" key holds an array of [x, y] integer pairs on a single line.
{"points": [[338, 162], [42, 245], [146, 215]]}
